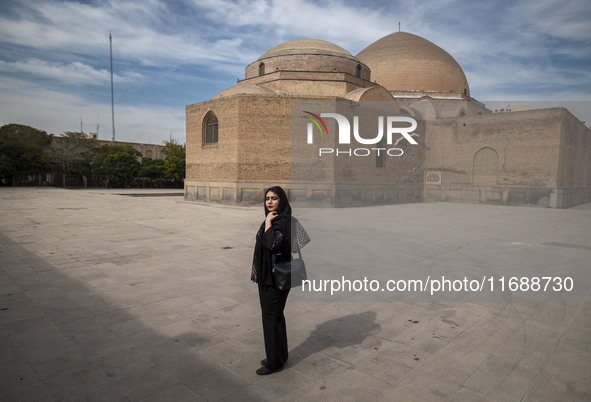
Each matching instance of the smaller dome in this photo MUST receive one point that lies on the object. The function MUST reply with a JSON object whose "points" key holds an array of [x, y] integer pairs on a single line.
{"points": [[370, 94], [306, 46], [244, 89], [309, 56]]}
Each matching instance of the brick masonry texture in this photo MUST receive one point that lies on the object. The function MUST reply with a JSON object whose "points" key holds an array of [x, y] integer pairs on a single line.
{"points": [[534, 157]]}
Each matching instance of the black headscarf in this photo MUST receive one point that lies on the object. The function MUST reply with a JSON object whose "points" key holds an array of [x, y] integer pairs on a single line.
{"points": [[262, 259], [284, 208]]}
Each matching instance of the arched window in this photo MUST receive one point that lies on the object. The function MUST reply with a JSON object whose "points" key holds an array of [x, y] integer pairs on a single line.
{"points": [[358, 71], [210, 129], [262, 69]]}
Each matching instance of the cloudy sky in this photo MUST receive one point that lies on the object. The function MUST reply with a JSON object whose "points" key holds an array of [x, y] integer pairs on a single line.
{"points": [[55, 71]]}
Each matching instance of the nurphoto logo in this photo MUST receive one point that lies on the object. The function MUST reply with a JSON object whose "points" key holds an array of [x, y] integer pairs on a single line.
{"points": [[386, 126]]}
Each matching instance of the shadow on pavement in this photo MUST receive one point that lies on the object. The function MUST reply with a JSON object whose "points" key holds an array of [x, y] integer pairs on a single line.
{"points": [[59, 340], [341, 332]]}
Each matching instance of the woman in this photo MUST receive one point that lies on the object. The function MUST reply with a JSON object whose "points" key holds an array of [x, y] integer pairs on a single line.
{"points": [[274, 242]]}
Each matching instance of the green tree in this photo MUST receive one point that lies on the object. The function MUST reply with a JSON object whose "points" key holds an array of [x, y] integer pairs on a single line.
{"points": [[10, 160], [22, 151], [175, 162], [174, 168], [152, 169], [121, 167], [174, 149], [25, 135], [81, 167], [107, 150], [105, 158], [7, 168], [100, 167]]}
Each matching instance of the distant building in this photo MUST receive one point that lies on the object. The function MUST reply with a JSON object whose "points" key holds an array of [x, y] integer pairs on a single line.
{"points": [[252, 135], [514, 108], [153, 151]]}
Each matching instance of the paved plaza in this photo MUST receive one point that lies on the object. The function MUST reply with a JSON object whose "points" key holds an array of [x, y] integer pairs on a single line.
{"points": [[109, 295]]}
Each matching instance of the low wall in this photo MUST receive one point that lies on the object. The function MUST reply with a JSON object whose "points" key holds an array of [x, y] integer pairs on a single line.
{"points": [[308, 195], [570, 197], [536, 196], [356, 195]]}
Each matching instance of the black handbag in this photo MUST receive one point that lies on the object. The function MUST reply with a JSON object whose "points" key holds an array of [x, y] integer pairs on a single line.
{"points": [[289, 274]]}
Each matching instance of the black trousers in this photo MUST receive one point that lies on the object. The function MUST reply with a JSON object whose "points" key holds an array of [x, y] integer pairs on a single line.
{"points": [[274, 330]]}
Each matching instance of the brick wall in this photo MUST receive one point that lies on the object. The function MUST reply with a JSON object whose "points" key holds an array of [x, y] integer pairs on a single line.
{"points": [[528, 157], [526, 145], [215, 161], [574, 166]]}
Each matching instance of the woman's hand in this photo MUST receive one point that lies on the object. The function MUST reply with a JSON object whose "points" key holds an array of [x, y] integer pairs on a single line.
{"points": [[269, 219]]}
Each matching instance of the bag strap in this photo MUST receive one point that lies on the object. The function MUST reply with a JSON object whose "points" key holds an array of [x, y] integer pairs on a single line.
{"points": [[299, 253], [273, 256]]}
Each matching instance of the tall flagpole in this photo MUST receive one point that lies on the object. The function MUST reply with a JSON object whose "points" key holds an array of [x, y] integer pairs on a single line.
{"points": [[112, 98]]}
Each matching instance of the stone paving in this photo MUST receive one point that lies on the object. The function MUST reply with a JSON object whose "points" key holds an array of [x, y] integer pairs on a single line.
{"points": [[109, 297]]}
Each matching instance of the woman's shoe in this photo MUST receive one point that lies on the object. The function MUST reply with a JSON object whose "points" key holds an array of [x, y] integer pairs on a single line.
{"points": [[264, 362], [265, 370]]}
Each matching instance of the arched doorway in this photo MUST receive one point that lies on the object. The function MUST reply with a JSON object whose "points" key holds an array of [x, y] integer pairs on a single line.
{"points": [[484, 171]]}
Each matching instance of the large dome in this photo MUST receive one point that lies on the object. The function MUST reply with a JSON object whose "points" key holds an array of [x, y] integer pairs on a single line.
{"points": [[405, 62]]}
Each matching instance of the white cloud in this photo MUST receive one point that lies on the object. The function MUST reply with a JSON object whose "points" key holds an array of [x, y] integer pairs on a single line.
{"points": [[558, 19], [137, 30], [350, 27], [504, 73], [73, 73]]}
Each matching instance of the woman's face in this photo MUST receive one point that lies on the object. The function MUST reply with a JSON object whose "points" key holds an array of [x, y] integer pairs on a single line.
{"points": [[271, 201]]}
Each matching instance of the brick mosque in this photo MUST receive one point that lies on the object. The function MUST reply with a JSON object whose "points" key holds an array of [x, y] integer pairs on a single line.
{"points": [[250, 136]]}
